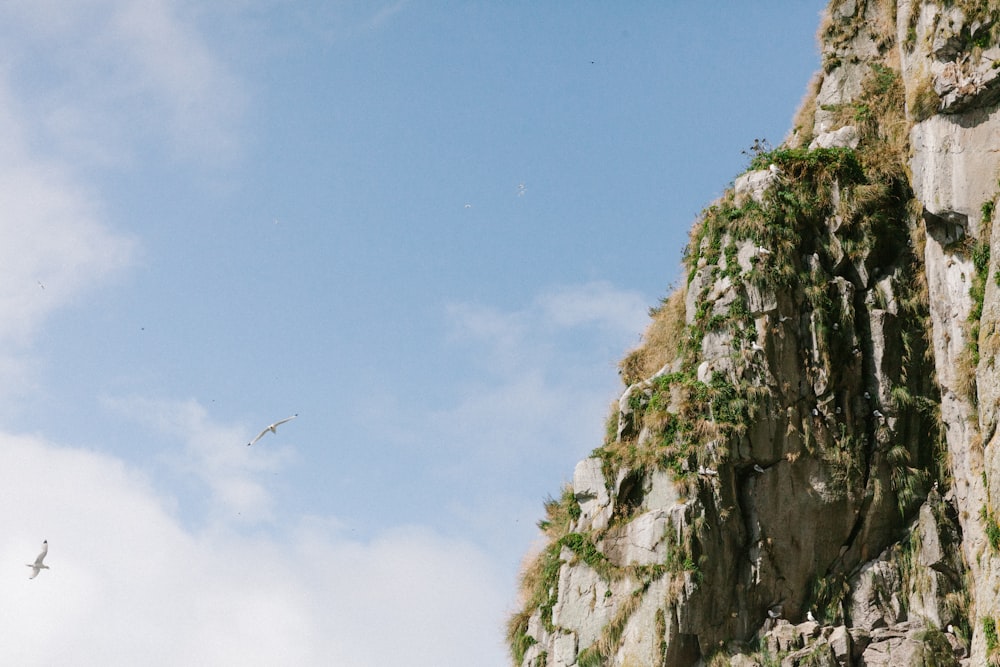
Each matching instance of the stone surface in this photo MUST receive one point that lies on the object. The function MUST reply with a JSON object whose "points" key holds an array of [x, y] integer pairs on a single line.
{"points": [[830, 488]]}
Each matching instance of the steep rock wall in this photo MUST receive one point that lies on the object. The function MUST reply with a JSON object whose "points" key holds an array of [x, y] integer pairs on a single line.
{"points": [[804, 464]]}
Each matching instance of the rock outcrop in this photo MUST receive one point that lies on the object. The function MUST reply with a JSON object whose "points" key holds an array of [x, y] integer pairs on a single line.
{"points": [[804, 466]]}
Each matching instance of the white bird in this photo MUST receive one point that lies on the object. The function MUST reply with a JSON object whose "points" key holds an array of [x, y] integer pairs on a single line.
{"points": [[774, 612], [868, 396], [757, 467], [815, 412], [756, 347], [761, 250], [38, 565], [876, 413], [809, 616], [273, 428], [775, 169], [784, 318]]}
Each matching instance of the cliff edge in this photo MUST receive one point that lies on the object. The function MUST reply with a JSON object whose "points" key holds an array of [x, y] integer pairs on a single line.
{"points": [[801, 469]]}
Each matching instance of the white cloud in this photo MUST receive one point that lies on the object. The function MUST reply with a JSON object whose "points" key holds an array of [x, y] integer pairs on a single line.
{"points": [[532, 337], [596, 303], [103, 76], [54, 245], [213, 453], [129, 585], [548, 379]]}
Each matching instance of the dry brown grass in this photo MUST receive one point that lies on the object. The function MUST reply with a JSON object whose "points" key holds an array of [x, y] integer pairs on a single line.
{"points": [[922, 101], [804, 120], [660, 343]]}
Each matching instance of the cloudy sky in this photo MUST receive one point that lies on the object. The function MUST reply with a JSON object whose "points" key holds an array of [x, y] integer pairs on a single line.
{"points": [[430, 229]]}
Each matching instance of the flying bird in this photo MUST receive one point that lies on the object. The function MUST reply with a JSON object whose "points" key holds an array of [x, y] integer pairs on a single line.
{"points": [[38, 565], [273, 428]]}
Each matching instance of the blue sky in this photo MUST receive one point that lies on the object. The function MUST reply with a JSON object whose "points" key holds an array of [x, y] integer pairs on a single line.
{"points": [[430, 229]]}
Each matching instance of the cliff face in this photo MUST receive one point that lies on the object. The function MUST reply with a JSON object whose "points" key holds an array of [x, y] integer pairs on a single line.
{"points": [[803, 468]]}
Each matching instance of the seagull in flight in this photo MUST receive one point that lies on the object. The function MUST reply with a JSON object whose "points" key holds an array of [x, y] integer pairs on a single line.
{"points": [[38, 566], [273, 428]]}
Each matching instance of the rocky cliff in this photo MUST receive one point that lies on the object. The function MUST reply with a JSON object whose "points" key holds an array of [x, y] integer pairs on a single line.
{"points": [[804, 465]]}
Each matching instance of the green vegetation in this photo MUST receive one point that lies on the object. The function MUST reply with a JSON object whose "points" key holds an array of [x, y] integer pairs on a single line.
{"points": [[827, 595], [991, 527], [990, 635]]}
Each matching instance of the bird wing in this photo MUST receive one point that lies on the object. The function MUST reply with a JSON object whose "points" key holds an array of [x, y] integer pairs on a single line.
{"points": [[34, 571], [41, 556], [259, 436], [279, 423]]}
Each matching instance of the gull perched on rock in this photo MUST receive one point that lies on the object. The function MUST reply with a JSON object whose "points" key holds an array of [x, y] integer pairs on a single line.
{"points": [[273, 428], [38, 565], [810, 617]]}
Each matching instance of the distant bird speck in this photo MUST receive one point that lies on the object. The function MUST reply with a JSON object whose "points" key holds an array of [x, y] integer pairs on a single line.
{"points": [[757, 467], [775, 169], [784, 318], [761, 250], [521, 189], [815, 412], [810, 617], [867, 396], [273, 428], [774, 612], [40, 284], [756, 347], [38, 566], [468, 206]]}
